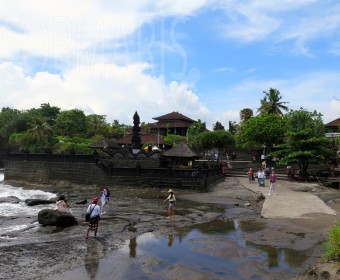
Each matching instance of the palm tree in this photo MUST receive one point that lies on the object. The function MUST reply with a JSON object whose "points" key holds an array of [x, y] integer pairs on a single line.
{"points": [[246, 114], [271, 103], [40, 133]]}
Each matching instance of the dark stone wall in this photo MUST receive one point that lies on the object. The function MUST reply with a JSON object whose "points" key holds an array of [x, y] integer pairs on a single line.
{"points": [[90, 174]]}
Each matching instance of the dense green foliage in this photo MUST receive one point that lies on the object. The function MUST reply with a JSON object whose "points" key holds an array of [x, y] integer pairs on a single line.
{"points": [[305, 140], [209, 140], [173, 139], [261, 130], [193, 131], [332, 250], [48, 129]]}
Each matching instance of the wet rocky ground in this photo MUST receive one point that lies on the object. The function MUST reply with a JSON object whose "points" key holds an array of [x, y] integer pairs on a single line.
{"points": [[46, 252]]}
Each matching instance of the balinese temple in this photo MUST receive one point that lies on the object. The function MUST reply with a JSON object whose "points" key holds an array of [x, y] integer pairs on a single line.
{"points": [[181, 156], [172, 123], [144, 139]]}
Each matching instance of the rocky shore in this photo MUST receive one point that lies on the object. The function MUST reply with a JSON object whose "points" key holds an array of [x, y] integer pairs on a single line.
{"points": [[47, 252]]}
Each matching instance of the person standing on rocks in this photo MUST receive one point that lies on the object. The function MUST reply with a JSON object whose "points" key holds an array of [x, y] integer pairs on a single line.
{"points": [[273, 180], [62, 205], [94, 211], [172, 200]]}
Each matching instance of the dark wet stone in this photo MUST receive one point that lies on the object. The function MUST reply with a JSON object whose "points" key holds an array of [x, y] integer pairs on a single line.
{"points": [[81, 202], [10, 199], [33, 202], [50, 217]]}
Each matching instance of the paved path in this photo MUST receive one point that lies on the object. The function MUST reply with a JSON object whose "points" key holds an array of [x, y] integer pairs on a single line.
{"points": [[287, 203]]}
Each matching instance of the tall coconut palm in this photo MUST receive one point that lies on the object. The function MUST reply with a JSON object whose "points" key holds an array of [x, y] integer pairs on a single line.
{"points": [[40, 133], [271, 103]]}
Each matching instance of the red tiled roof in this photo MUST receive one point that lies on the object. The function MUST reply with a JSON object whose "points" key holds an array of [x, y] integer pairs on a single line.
{"points": [[104, 144], [174, 116], [164, 124], [145, 138], [336, 122]]}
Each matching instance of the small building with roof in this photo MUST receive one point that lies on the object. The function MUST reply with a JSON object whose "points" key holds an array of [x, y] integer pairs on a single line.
{"points": [[181, 155], [333, 126], [172, 123]]}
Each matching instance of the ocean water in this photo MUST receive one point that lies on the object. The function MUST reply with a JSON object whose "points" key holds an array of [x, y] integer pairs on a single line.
{"points": [[19, 210]]}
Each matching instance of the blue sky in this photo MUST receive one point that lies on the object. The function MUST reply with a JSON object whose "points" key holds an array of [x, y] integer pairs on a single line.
{"points": [[207, 59]]}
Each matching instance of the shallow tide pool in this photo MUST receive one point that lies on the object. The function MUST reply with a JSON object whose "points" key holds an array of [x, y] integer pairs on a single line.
{"points": [[215, 250]]}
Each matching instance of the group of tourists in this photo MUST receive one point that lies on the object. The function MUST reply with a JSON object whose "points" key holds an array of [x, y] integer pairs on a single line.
{"points": [[94, 211], [263, 174]]}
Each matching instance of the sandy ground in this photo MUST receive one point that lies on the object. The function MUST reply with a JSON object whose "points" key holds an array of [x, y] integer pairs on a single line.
{"points": [[44, 252]]}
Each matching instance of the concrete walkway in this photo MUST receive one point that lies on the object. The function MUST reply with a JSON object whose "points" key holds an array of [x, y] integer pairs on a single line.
{"points": [[287, 203]]}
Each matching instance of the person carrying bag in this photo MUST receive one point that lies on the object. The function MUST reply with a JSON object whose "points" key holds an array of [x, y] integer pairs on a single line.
{"points": [[93, 217]]}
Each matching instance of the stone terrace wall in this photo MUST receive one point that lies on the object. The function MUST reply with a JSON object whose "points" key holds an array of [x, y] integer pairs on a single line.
{"points": [[44, 172]]}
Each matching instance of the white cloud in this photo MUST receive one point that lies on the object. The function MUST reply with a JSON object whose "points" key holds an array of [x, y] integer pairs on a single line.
{"points": [[299, 21], [104, 89], [62, 27]]}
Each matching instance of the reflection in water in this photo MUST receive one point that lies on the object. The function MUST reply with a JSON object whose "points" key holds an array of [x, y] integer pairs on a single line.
{"points": [[171, 238], [133, 247], [275, 256], [215, 250], [92, 259]]}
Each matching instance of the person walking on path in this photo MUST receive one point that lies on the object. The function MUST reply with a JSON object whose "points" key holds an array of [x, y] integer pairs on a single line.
{"points": [[250, 174], [261, 178], [94, 211], [172, 200], [273, 180]]}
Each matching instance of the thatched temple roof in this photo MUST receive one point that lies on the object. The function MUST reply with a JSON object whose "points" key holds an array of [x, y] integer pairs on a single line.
{"points": [[101, 144], [182, 150]]}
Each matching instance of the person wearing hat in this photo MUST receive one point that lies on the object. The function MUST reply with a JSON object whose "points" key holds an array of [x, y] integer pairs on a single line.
{"points": [[172, 200], [94, 211]]}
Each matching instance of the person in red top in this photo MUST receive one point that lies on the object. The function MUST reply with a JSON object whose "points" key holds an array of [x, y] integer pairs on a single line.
{"points": [[273, 180]]}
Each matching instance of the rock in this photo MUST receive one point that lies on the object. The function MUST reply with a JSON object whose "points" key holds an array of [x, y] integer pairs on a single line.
{"points": [[10, 199], [247, 204], [51, 217], [33, 202], [260, 197], [81, 202]]}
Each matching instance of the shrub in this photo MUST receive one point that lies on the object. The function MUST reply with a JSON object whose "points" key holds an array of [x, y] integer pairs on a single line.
{"points": [[333, 244]]}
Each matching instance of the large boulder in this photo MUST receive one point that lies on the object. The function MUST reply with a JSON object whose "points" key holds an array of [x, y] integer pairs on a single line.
{"points": [[51, 217]]}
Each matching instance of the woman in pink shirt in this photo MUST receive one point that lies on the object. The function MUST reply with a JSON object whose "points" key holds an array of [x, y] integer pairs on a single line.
{"points": [[273, 180]]}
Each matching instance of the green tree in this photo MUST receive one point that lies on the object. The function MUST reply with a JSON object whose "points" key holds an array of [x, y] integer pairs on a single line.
{"points": [[306, 142], [218, 126], [96, 124], [271, 103], [119, 130], [40, 133], [233, 127], [219, 139], [173, 139], [70, 123], [246, 114], [10, 120], [261, 130], [49, 113], [193, 131]]}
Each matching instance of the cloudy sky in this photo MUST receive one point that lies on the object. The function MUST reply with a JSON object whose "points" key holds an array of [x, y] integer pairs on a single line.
{"points": [[206, 59]]}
